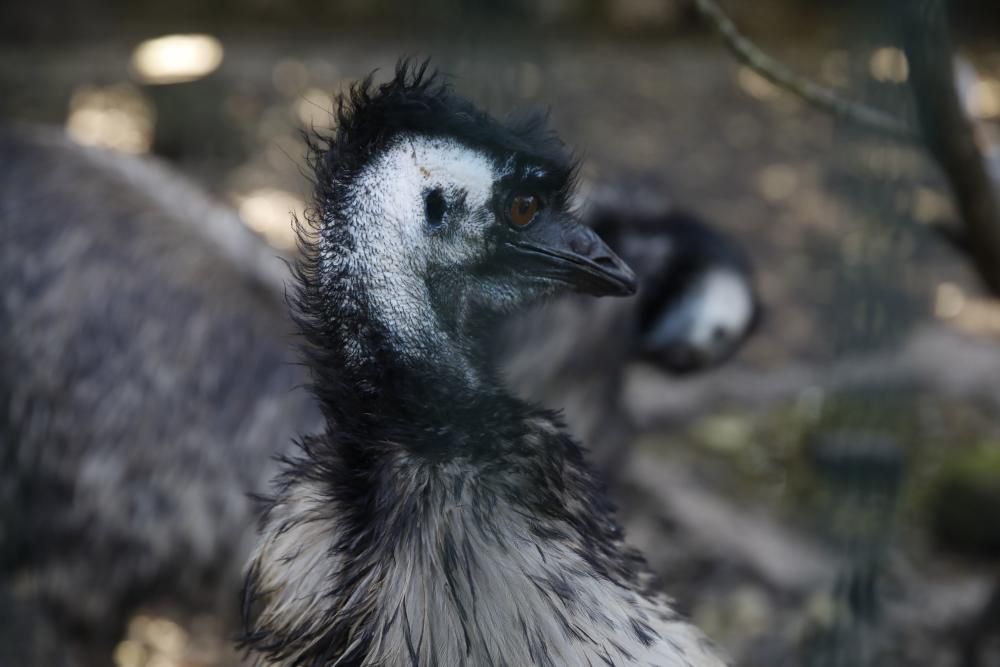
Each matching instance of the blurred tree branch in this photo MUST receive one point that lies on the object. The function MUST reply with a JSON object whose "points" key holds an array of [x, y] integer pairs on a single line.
{"points": [[780, 75], [945, 129], [947, 132]]}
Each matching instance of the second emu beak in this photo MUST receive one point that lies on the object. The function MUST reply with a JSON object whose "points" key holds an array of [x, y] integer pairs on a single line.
{"points": [[572, 253]]}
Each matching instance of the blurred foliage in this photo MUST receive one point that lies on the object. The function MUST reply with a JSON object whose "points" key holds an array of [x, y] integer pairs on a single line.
{"points": [[836, 463]]}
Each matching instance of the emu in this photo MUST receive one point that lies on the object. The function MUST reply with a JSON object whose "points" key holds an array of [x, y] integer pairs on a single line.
{"points": [[146, 382], [438, 519]]}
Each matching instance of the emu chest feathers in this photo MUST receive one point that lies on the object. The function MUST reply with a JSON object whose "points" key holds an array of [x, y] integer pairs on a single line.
{"points": [[454, 572]]}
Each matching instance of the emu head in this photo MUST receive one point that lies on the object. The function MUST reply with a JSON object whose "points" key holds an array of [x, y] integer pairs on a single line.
{"points": [[432, 216]]}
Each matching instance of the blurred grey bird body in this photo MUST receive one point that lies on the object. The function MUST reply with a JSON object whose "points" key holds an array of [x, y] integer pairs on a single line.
{"points": [[148, 381], [145, 384]]}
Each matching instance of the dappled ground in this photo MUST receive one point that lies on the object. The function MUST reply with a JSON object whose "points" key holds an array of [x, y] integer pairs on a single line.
{"points": [[722, 494]]}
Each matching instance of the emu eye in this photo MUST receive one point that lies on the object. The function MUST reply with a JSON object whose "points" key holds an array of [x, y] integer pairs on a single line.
{"points": [[434, 207], [523, 209]]}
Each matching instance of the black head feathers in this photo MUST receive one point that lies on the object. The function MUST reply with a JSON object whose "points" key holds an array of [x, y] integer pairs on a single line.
{"points": [[419, 100]]}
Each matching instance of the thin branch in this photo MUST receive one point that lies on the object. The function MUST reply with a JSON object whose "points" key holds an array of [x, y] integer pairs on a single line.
{"points": [[810, 91]]}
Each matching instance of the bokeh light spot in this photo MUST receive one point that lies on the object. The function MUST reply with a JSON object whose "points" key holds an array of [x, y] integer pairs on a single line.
{"points": [[949, 301], [777, 182], [889, 65], [176, 58], [117, 117], [315, 109], [268, 211]]}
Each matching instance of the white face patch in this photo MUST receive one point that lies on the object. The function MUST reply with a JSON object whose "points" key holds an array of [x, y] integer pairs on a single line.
{"points": [[709, 318], [391, 218], [395, 245], [724, 311]]}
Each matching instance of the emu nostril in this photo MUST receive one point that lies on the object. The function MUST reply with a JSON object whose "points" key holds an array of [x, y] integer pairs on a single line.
{"points": [[586, 243], [583, 241], [605, 261]]}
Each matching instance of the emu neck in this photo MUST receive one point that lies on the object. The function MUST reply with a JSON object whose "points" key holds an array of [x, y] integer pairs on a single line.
{"points": [[442, 522], [387, 368]]}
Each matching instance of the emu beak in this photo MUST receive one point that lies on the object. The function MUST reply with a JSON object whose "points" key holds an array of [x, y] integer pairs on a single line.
{"points": [[573, 253]]}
